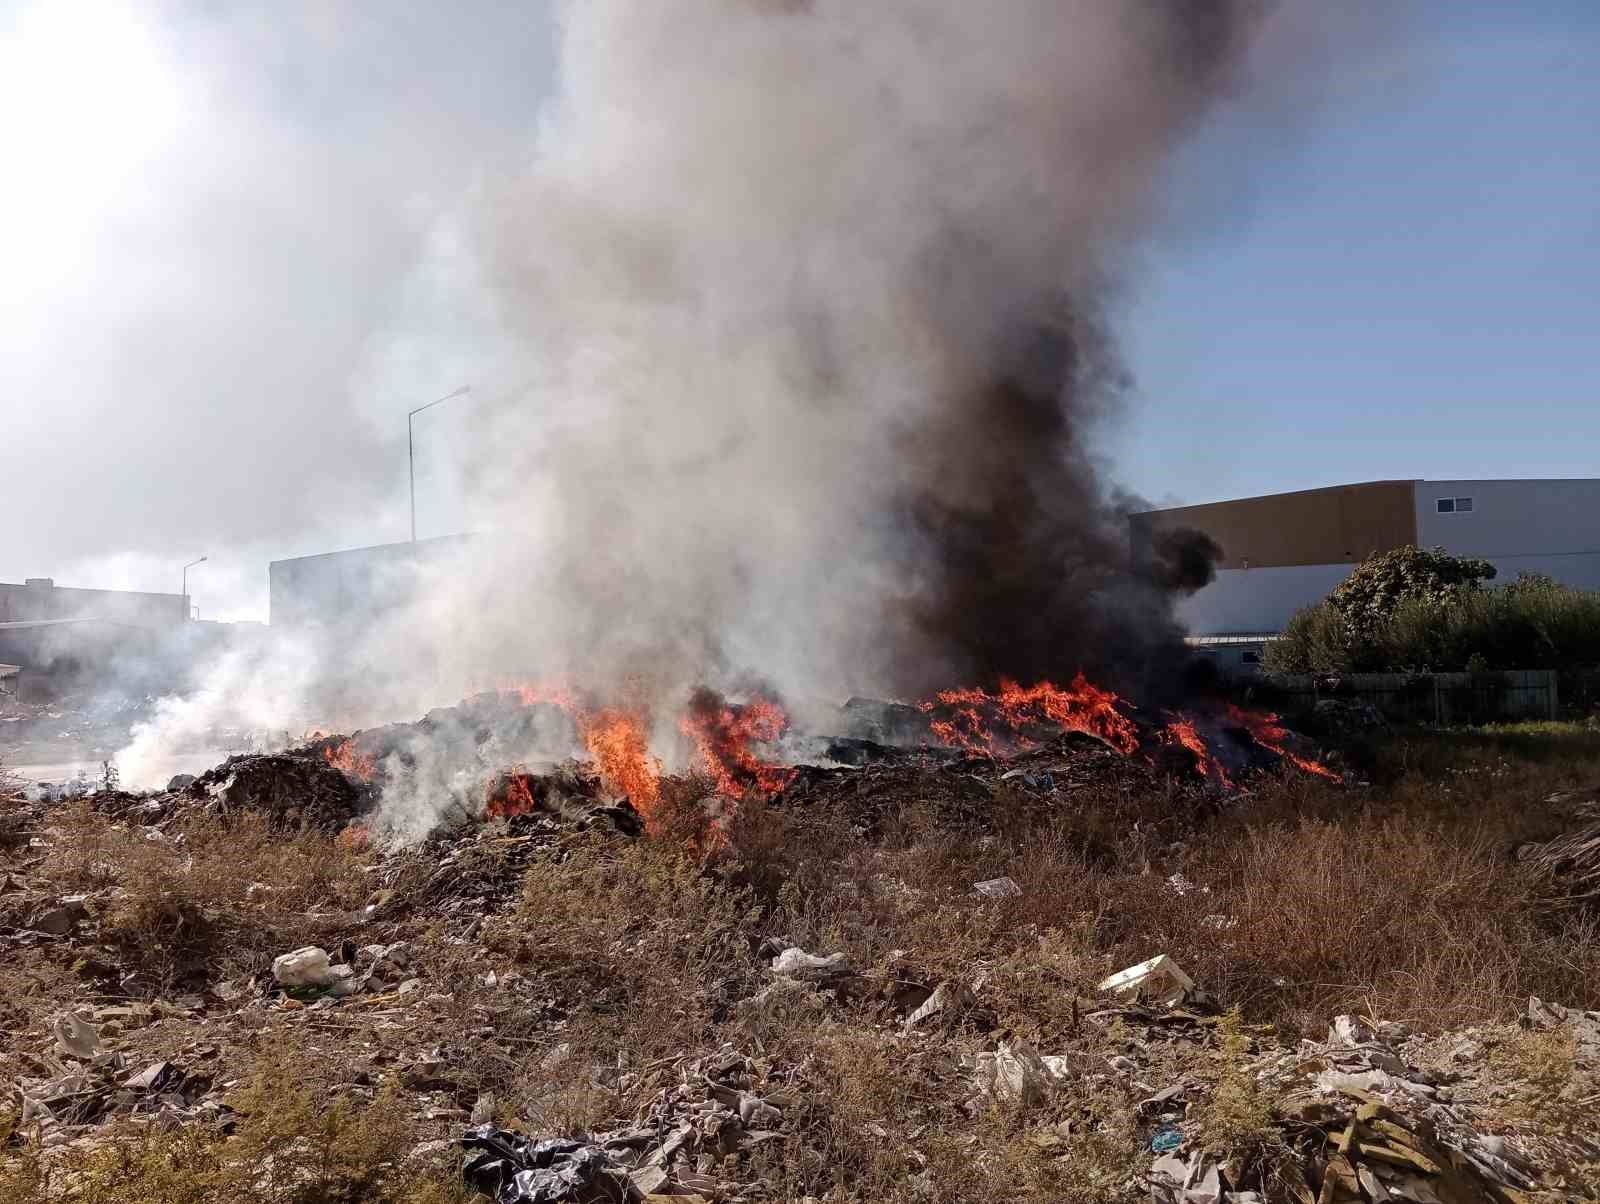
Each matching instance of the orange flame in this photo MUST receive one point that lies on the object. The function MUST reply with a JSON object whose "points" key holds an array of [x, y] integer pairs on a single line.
{"points": [[968, 716], [617, 743], [725, 733], [343, 756], [510, 796], [1266, 731], [615, 738], [1183, 731], [533, 694]]}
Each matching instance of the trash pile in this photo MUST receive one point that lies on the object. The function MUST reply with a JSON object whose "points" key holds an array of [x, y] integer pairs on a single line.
{"points": [[296, 790], [706, 1113], [969, 793], [1356, 1118], [1370, 1124], [80, 1082]]}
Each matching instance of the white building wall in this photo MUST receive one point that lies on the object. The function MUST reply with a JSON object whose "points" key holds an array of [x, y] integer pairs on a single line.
{"points": [[1519, 526], [1257, 601]]}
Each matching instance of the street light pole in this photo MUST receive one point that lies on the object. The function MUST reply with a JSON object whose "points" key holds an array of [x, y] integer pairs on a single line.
{"points": [[411, 450], [186, 569]]}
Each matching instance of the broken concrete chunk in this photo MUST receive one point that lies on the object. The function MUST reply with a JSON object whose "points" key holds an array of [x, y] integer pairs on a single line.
{"points": [[306, 967], [1159, 980]]}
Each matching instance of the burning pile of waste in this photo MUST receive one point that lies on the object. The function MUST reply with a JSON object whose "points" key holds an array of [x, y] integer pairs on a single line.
{"points": [[554, 749]]}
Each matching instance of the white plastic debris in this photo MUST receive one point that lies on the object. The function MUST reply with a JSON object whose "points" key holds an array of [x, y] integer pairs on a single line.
{"points": [[797, 963], [76, 1036], [306, 967], [1014, 1074], [947, 995], [999, 888], [483, 1109], [1159, 980]]}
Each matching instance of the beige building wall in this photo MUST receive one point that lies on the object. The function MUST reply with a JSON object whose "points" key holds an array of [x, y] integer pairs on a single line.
{"points": [[1342, 524]]}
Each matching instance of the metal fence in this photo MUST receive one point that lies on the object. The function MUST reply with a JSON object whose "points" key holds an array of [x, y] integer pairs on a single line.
{"points": [[1440, 698]]}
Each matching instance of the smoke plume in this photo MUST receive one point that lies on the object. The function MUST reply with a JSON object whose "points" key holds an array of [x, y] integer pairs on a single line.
{"points": [[795, 338], [812, 297]]}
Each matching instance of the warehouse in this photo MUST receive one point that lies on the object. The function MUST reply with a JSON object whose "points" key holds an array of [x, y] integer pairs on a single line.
{"points": [[1285, 551]]}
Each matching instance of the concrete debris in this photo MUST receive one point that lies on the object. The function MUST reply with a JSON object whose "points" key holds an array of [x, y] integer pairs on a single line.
{"points": [[1584, 1026], [64, 1106], [308, 967], [1159, 980], [63, 917]]}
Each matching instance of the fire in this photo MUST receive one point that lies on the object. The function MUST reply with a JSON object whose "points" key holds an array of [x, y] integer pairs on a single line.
{"points": [[614, 737], [725, 732], [343, 756], [968, 719], [1183, 731], [533, 694], [620, 750], [1266, 731], [511, 795]]}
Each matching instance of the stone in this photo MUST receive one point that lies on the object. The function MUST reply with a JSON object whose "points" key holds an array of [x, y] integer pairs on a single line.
{"points": [[307, 967]]}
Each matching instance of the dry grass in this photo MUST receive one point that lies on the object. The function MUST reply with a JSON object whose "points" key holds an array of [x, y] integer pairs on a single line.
{"points": [[207, 900], [291, 1145], [1401, 901]]}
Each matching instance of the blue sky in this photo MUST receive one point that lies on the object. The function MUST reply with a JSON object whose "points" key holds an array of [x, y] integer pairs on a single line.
{"points": [[1405, 282], [212, 208]]}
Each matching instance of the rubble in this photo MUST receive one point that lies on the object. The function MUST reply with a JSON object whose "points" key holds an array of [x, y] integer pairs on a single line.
{"points": [[294, 789], [706, 1110], [1159, 980], [514, 1169]]}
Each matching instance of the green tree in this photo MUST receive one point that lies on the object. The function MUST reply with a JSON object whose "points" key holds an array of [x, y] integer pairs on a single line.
{"points": [[1370, 596]]}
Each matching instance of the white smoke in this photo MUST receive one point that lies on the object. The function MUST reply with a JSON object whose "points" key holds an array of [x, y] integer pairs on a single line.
{"points": [[764, 256]]}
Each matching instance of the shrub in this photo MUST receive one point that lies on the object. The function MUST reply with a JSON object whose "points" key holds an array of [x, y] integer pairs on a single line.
{"points": [[1533, 623], [1370, 595]]}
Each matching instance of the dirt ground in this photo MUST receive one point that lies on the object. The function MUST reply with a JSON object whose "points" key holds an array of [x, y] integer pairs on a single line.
{"points": [[809, 999]]}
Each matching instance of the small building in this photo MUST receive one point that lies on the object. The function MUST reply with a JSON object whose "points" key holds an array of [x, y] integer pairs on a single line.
{"points": [[40, 598], [333, 589], [1286, 551]]}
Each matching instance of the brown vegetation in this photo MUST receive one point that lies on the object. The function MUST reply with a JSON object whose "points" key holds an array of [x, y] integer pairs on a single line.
{"points": [[1400, 901]]}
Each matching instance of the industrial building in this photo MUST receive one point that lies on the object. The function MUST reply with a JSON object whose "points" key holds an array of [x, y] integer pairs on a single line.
{"points": [[40, 599], [1286, 551], [351, 587]]}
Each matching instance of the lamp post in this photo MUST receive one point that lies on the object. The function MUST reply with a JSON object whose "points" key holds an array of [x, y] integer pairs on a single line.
{"points": [[411, 450], [186, 569]]}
